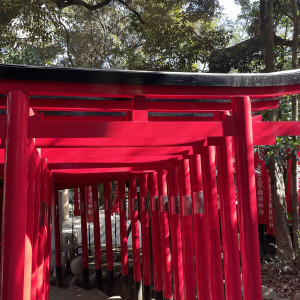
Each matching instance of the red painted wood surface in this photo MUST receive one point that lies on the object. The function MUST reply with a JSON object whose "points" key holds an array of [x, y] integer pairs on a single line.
{"points": [[76, 202], [212, 219], [57, 230], [15, 199], [228, 214], [165, 234], [122, 90], [250, 258], [176, 242], [29, 220], [97, 240], [187, 230], [84, 239], [108, 231], [200, 229], [49, 236], [145, 226], [123, 229], [135, 231], [35, 246], [89, 204], [156, 243], [42, 231]]}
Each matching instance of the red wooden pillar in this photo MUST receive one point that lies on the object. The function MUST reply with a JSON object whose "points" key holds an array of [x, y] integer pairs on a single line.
{"points": [[15, 199], [84, 240], [212, 219], [176, 244], [57, 240], [145, 236], [46, 232], [35, 245], [156, 248], [108, 235], [97, 238], [1, 215], [164, 234], [134, 206], [29, 220], [123, 238], [231, 259], [49, 235], [200, 229], [187, 230], [250, 258], [42, 231]]}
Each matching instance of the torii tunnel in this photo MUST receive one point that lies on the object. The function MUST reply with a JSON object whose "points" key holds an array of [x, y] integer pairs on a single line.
{"points": [[138, 127]]}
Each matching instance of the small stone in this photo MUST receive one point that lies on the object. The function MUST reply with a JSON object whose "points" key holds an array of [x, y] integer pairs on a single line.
{"points": [[268, 294], [297, 296], [76, 280], [76, 266]]}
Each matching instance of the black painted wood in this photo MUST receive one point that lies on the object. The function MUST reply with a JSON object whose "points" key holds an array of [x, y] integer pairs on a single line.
{"points": [[21, 72]]}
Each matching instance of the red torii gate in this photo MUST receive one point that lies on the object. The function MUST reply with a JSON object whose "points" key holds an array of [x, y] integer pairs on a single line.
{"points": [[85, 150]]}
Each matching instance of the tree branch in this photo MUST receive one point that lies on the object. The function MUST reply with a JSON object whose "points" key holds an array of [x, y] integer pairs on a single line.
{"points": [[68, 45], [133, 10], [65, 3]]}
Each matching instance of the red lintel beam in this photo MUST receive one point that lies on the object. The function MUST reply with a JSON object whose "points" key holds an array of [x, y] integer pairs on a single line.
{"points": [[153, 129], [72, 118], [115, 159], [110, 142], [189, 133], [145, 165], [113, 142], [86, 118], [257, 140], [57, 104], [106, 171], [95, 171], [288, 128], [72, 182], [169, 106], [114, 151], [129, 129], [79, 104], [113, 162]]}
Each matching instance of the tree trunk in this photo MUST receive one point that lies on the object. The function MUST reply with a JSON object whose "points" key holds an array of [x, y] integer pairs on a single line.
{"points": [[269, 35], [283, 239], [267, 15], [295, 202], [294, 159]]}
